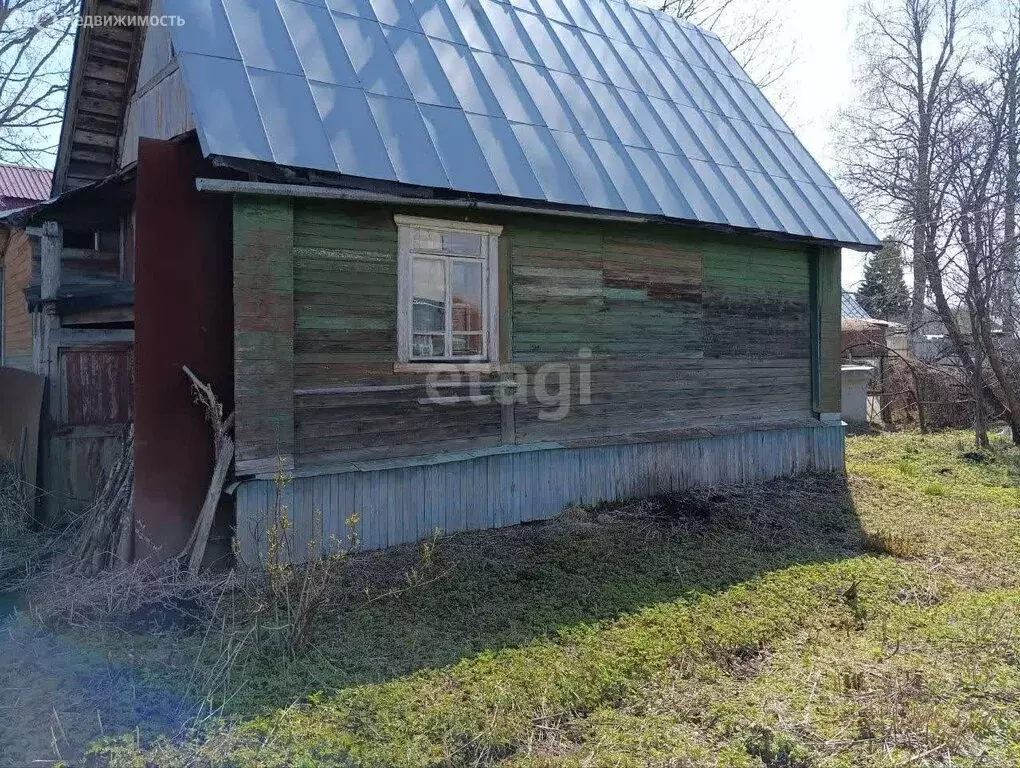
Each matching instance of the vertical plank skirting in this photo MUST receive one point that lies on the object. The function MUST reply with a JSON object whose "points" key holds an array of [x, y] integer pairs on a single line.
{"points": [[397, 506]]}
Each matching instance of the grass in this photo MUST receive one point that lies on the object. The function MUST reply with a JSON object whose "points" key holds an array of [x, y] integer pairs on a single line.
{"points": [[871, 620]]}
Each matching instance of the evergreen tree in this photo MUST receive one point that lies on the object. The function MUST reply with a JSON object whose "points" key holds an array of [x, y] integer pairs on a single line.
{"points": [[883, 293]]}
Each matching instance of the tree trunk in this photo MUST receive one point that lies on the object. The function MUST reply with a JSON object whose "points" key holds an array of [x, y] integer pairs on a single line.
{"points": [[977, 383], [996, 364], [1009, 201], [920, 240]]}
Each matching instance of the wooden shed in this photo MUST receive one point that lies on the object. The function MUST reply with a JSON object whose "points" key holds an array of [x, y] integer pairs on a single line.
{"points": [[460, 264]]}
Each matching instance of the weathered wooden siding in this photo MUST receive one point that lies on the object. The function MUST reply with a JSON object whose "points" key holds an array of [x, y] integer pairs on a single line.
{"points": [[98, 385], [697, 352], [160, 111], [88, 266], [829, 332], [95, 389], [684, 330], [158, 107], [17, 323], [345, 340], [402, 505], [263, 331], [677, 330], [345, 295]]}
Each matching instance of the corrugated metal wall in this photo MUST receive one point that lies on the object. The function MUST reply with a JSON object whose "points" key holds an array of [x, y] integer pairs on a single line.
{"points": [[397, 506]]}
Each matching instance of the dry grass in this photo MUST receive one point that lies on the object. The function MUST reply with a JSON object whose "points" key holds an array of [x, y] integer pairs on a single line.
{"points": [[15, 512]]}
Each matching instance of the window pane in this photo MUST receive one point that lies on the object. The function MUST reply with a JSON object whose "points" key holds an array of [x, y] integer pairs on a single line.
{"points": [[466, 285], [467, 344], [456, 243], [429, 306], [428, 345]]}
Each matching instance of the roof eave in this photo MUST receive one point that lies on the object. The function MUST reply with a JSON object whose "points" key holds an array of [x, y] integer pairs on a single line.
{"points": [[372, 191]]}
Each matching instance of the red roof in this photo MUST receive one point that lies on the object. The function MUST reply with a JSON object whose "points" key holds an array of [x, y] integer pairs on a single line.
{"points": [[23, 184]]}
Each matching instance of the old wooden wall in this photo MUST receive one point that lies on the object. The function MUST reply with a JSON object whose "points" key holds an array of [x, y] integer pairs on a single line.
{"points": [[158, 107], [16, 262], [160, 111], [94, 388], [404, 504], [829, 317], [689, 333]]}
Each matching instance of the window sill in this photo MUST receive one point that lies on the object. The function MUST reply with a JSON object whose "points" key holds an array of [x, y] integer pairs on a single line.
{"points": [[446, 367]]}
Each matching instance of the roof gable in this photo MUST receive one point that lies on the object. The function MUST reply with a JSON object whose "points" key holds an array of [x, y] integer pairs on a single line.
{"points": [[594, 103], [102, 76]]}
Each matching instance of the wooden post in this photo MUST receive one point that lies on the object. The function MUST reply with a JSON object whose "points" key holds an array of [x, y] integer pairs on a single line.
{"points": [[47, 364], [52, 245]]}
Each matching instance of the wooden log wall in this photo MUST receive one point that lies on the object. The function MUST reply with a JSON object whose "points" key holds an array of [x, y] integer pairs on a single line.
{"points": [[264, 332], [676, 329], [16, 260]]}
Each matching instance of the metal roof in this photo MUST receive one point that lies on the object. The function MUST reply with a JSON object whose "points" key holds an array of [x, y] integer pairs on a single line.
{"points": [[594, 103], [20, 185], [852, 309]]}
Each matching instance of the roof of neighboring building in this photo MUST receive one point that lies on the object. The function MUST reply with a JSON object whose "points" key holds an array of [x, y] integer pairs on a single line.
{"points": [[20, 185], [852, 309], [592, 103]]}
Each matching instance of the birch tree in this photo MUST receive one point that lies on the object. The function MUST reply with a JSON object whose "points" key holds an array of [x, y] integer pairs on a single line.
{"points": [[895, 138], [1006, 62]]}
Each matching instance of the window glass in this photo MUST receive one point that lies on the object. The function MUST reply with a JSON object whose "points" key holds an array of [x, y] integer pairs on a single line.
{"points": [[429, 308], [466, 282], [428, 345], [467, 344], [466, 287], [455, 243]]}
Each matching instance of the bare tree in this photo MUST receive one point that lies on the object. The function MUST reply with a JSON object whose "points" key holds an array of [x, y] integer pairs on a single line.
{"points": [[895, 138], [933, 145], [1006, 62], [749, 28], [976, 154], [34, 62], [979, 266]]}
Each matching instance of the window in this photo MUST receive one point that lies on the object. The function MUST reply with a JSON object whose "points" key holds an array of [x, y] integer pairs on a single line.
{"points": [[449, 291], [80, 239]]}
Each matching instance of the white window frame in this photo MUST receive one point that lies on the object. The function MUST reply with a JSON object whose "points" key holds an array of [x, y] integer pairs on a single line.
{"points": [[406, 225]]}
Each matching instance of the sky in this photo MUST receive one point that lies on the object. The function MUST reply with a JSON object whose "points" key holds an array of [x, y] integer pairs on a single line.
{"points": [[819, 84]]}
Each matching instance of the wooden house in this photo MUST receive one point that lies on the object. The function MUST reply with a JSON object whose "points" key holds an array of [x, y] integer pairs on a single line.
{"points": [[67, 316], [19, 187], [455, 263]]}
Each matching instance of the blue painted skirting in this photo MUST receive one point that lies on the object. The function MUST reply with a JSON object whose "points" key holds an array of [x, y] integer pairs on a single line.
{"points": [[406, 504]]}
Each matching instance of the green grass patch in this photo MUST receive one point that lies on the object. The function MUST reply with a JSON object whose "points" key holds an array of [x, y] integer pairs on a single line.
{"points": [[826, 621]]}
